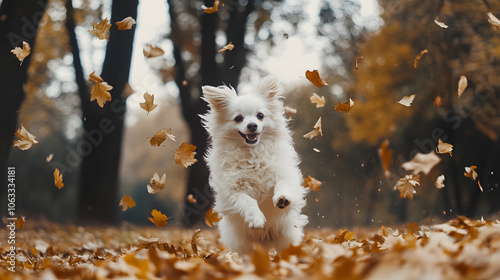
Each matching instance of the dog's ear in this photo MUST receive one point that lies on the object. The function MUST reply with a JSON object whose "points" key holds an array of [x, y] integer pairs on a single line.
{"points": [[218, 97], [269, 86]]}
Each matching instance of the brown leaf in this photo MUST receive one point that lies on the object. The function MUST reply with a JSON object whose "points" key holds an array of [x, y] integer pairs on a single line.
{"points": [[158, 218], [26, 139], [148, 105], [160, 136], [470, 172], [101, 29], [421, 163], [439, 182], [494, 21], [438, 101], [419, 57], [191, 199], [320, 101], [345, 107], [20, 222], [100, 90], [149, 51], [126, 202], [227, 47], [407, 100], [405, 185], [462, 85], [211, 10], [385, 155], [156, 184], [58, 179], [440, 24], [317, 131], [93, 77], [212, 217], [311, 183], [443, 148], [126, 23], [315, 79], [184, 155], [21, 54]]}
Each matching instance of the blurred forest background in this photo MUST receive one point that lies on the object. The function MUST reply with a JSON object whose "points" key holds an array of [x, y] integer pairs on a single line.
{"points": [[49, 93]]}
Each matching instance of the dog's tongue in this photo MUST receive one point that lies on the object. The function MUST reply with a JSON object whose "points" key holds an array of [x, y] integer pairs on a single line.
{"points": [[252, 137]]}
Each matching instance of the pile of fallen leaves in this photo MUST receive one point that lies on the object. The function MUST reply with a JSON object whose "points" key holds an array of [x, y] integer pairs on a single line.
{"points": [[459, 249]]}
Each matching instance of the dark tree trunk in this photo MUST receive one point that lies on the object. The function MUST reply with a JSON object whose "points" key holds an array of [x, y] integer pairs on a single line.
{"points": [[100, 147], [19, 21]]}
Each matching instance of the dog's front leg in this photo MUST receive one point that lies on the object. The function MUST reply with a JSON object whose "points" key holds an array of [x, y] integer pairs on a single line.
{"points": [[247, 207]]}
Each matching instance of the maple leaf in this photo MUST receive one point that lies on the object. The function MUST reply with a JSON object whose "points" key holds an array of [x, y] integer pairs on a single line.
{"points": [[462, 85], [93, 77], [438, 101], [317, 131], [191, 199], [184, 155], [315, 79], [149, 51], [385, 155], [320, 101], [212, 217], [444, 147], [407, 100], [156, 184], [439, 182], [148, 105], [21, 54], [229, 47], [421, 163], [26, 139], [406, 185], [440, 24], [311, 183], [126, 202], [58, 179], [211, 10], [20, 222], [100, 90], [126, 23], [160, 136], [358, 60], [470, 172], [493, 20], [158, 218], [345, 107], [419, 57], [101, 29]]}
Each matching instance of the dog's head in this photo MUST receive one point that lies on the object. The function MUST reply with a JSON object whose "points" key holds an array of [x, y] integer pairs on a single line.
{"points": [[245, 118]]}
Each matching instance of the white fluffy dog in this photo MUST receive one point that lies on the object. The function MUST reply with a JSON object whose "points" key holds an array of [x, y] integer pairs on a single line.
{"points": [[254, 168]]}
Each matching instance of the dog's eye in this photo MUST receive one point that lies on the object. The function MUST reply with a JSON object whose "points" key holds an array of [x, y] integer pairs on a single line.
{"points": [[260, 116], [238, 119]]}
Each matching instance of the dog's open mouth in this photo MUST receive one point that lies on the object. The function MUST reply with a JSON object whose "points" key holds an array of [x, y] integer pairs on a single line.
{"points": [[251, 138]]}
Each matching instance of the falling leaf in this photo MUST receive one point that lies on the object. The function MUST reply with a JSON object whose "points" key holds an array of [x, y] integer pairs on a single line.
{"points": [[126, 202], [407, 100], [316, 150], [149, 51], [101, 29], [494, 21], [440, 182], [126, 23], [438, 101], [156, 184], [93, 77], [419, 57], [385, 155], [358, 60], [49, 157], [421, 163], [191, 199], [211, 10], [227, 47], [320, 101], [21, 54], [311, 183], [345, 107], [315, 79], [290, 110], [100, 90], [443, 148], [184, 155], [148, 105], [470, 172], [406, 186], [440, 24], [26, 139], [158, 218], [479, 185], [462, 85], [160, 136], [212, 217], [58, 179], [317, 131], [20, 222]]}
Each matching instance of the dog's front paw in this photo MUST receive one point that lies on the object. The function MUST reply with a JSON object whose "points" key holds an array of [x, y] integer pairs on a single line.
{"points": [[257, 220], [281, 201]]}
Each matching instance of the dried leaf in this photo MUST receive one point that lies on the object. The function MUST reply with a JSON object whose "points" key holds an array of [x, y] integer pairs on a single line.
{"points": [[407, 100], [49, 157], [211, 10], [26, 139], [320, 101], [126, 23], [440, 182], [20, 222], [315, 79], [101, 29], [126, 202], [21, 54], [58, 179], [184, 155], [311, 183], [160, 136], [422, 163], [149, 51], [494, 21], [438, 101], [290, 110], [345, 107], [227, 47], [462, 85], [100, 90], [406, 185], [316, 150], [479, 185], [317, 131], [385, 155], [440, 24], [443, 148], [158, 218], [148, 105], [470, 172], [93, 77], [212, 217], [358, 60], [191, 199], [156, 184], [419, 57]]}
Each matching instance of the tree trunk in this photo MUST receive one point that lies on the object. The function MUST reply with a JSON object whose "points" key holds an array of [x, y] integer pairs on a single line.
{"points": [[100, 147], [19, 21]]}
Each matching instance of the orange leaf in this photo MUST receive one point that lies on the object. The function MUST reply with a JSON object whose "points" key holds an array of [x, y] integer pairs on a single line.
{"points": [[211, 10], [26, 139], [345, 107], [191, 199], [438, 101], [385, 155], [462, 85], [126, 23], [149, 51], [419, 57], [158, 218], [315, 79], [229, 47], [184, 155], [444, 147], [20, 222], [317, 130], [101, 29], [160, 136], [148, 105], [470, 172], [58, 179], [21, 54], [320, 101], [211, 217], [311, 183], [100, 90], [126, 202]]}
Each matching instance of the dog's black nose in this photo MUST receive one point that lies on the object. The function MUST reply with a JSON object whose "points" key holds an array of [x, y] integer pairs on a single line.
{"points": [[252, 127]]}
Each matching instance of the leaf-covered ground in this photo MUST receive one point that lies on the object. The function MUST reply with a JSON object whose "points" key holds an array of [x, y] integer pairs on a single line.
{"points": [[459, 249]]}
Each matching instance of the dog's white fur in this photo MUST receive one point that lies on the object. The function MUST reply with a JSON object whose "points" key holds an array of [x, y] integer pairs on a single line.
{"points": [[252, 176]]}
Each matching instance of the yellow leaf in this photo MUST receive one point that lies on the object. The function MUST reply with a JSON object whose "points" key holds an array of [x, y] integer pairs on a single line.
{"points": [[470, 172], [311, 183], [407, 100], [126, 202], [493, 21], [20, 222], [438, 101], [184, 155], [440, 24], [157, 184], [21, 54], [462, 85], [100, 90], [444, 147], [160, 136], [317, 130], [211, 10], [101, 29], [58, 179], [191, 199], [315, 79], [345, 107], [149, 51], [211, 217], [405, 185], [320, 101], [126, 23], [148, 105], [440, 182], [229, 47], [419, 57], [385, 155], [158, 218], [26, 140]]}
